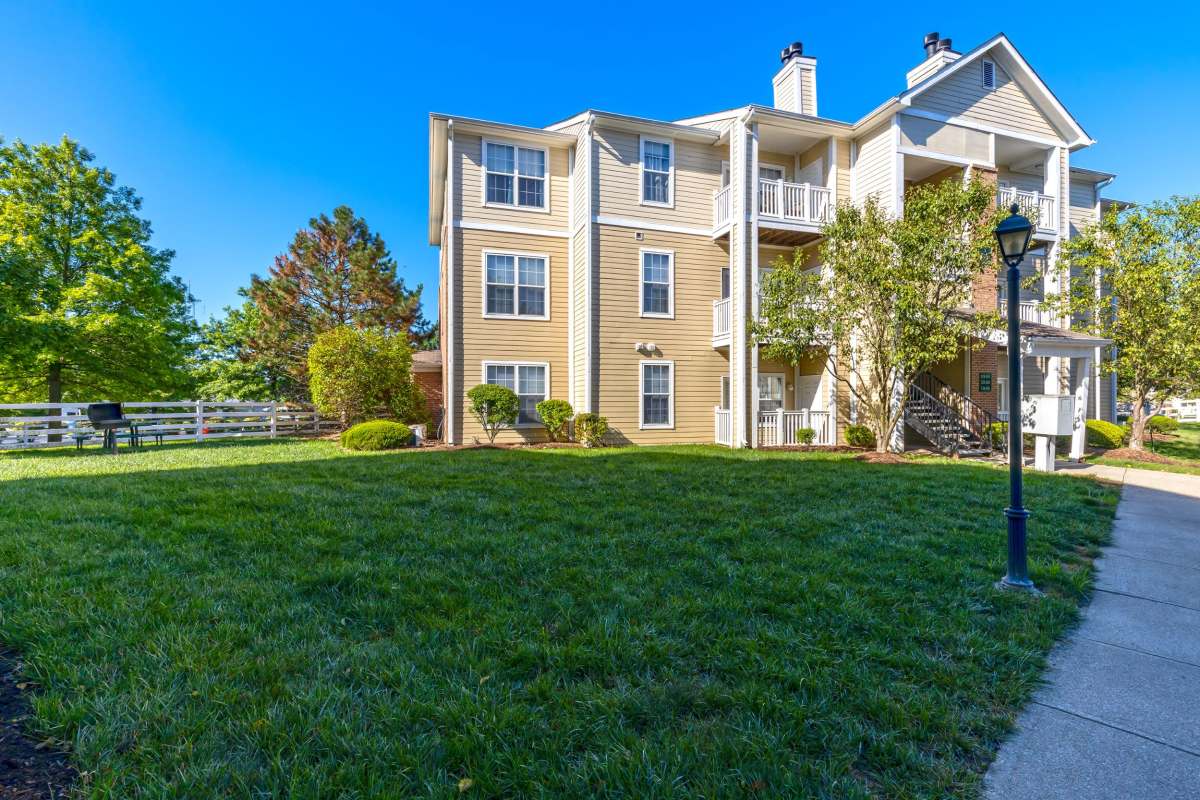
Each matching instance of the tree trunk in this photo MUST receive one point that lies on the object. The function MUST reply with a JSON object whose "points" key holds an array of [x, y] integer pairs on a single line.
{"points": [[1137, 424]]}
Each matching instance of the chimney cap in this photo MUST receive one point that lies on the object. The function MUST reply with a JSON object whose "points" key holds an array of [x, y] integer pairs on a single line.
{"points": [[791, 51]]}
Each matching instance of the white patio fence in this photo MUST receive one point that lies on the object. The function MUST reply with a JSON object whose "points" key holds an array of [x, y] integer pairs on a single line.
{"points": [[27, 425]]}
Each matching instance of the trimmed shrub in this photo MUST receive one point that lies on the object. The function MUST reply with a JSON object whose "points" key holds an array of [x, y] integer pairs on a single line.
{"points": [[379, 434], [998, 433], [1162, 424], [556, 415], [806, 435], [1102, 433], [860, 436], [359, 373], [590, 429], [495, 407]]}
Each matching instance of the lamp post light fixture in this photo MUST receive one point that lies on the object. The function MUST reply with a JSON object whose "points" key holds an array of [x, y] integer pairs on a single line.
{"points": [[1013, 235]]}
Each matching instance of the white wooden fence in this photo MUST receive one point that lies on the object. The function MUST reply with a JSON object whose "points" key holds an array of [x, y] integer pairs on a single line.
{"points": [[779, 428], [26, 425]]}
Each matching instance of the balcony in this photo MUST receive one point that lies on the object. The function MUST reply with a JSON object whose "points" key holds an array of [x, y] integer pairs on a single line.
{"points": [[800, 204], [722, 317], [1041, 209], [1029, 311]]}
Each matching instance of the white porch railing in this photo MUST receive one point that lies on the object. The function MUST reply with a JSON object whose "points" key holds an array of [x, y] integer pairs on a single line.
{"points": [[795, 202], [1040, 208], [722, 310], [28, 425], [724, 426], [722, 199], [779, 428]]}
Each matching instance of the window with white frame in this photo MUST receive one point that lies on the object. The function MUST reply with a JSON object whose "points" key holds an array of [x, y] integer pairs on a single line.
{"points": [[770, 391], [514, 285], [658, 272], [770, 172], [657, 400], [514, 175], [658, 163], [724, 392], [529, 381]]}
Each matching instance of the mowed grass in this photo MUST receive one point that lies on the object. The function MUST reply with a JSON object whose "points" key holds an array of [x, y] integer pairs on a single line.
{"points": [[1183, 446], [283, 619]]}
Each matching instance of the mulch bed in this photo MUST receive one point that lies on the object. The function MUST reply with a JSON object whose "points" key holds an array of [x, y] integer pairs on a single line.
{"points": [[1129, 454], [882, 458], [29, 770]]}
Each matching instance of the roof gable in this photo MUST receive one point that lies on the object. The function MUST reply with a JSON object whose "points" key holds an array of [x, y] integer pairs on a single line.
{"points": [[1020, 101]]}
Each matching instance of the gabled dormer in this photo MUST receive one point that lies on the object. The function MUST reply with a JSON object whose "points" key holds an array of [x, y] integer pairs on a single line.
{"points": [[992, 86]]}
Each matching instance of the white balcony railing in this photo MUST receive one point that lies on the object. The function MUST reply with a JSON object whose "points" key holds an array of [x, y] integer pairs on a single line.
{"points": [[721, 207], [795, 202], [722, 311], [1029, 311], [779, 428], [723, 433], [1040, 208]]}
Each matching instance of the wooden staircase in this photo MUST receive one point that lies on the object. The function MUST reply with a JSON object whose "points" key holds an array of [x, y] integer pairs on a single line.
{"points": [[951, 421]]}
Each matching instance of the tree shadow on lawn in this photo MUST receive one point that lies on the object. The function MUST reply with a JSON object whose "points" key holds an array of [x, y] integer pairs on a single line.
{"points": [[648, 622]]}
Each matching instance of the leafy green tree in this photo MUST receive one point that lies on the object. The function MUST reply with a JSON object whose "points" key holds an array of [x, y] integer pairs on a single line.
{"points": [[225, 368], [495, 407], [892, 291], [1135, 279], [358, 373], [88, 309], [336, 272]]}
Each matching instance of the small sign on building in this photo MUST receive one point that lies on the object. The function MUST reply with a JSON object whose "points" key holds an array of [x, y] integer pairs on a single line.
{"points": [[985, 382]]}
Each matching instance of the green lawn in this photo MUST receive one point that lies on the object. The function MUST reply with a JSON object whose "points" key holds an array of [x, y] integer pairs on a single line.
{"points": [[282, 619], [1184, 446]]}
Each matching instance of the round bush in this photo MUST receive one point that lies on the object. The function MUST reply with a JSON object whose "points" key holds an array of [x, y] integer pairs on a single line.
{"points": [[1101, 433], [860, 436], [380, 434], [1162, 424]]}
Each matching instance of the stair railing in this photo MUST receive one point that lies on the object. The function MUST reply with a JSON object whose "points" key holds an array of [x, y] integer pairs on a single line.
{"points": [[959, 408]]}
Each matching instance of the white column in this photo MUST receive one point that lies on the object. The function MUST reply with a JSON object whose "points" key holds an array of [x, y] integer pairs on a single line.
{"points": [[740, 196], [752, 243], [1043, 453], [1079, 422]]}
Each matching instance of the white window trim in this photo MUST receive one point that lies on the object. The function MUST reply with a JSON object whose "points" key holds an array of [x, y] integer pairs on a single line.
{"points": [[782, 389], [642, 140], [516, 291], [983, 72], [517, 378], [670, 254], [670, 424], [483, 171], [774, 167]]}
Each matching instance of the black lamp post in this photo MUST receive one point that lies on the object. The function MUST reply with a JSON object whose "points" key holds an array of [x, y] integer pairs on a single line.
{"points": [[1013, 235]]}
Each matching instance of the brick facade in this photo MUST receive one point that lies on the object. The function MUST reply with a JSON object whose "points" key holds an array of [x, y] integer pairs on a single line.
{"points": [[985, 360]]}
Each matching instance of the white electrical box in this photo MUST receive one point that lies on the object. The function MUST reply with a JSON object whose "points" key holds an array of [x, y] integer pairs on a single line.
{"points": [[1047, 414]]}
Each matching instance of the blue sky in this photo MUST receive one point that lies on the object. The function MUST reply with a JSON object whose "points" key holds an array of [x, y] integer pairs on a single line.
{"points": [[238, 122]]}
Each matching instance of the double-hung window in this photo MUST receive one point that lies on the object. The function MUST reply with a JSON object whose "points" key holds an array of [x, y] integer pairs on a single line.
{"points": [[515, 285], [657, 394], [658, 168], [770, 391], [529, 381], [514, 176], [658, 273]]}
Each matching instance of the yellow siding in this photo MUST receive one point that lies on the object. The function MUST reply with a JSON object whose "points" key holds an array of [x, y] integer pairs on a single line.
{"points": [[697, 176], [808, 92], [843, 171], [785, 91], [1021, 180], [686, 340], [1008, 106], [785, 160], [504, 339], [580, 229], [876, 153], [468, 180]]}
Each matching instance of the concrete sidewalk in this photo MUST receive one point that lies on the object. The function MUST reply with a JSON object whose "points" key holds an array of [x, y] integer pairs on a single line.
{"points": [[1120, 714]]}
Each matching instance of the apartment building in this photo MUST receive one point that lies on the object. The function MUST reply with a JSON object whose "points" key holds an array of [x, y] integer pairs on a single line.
{"points": [[614, 261]]}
